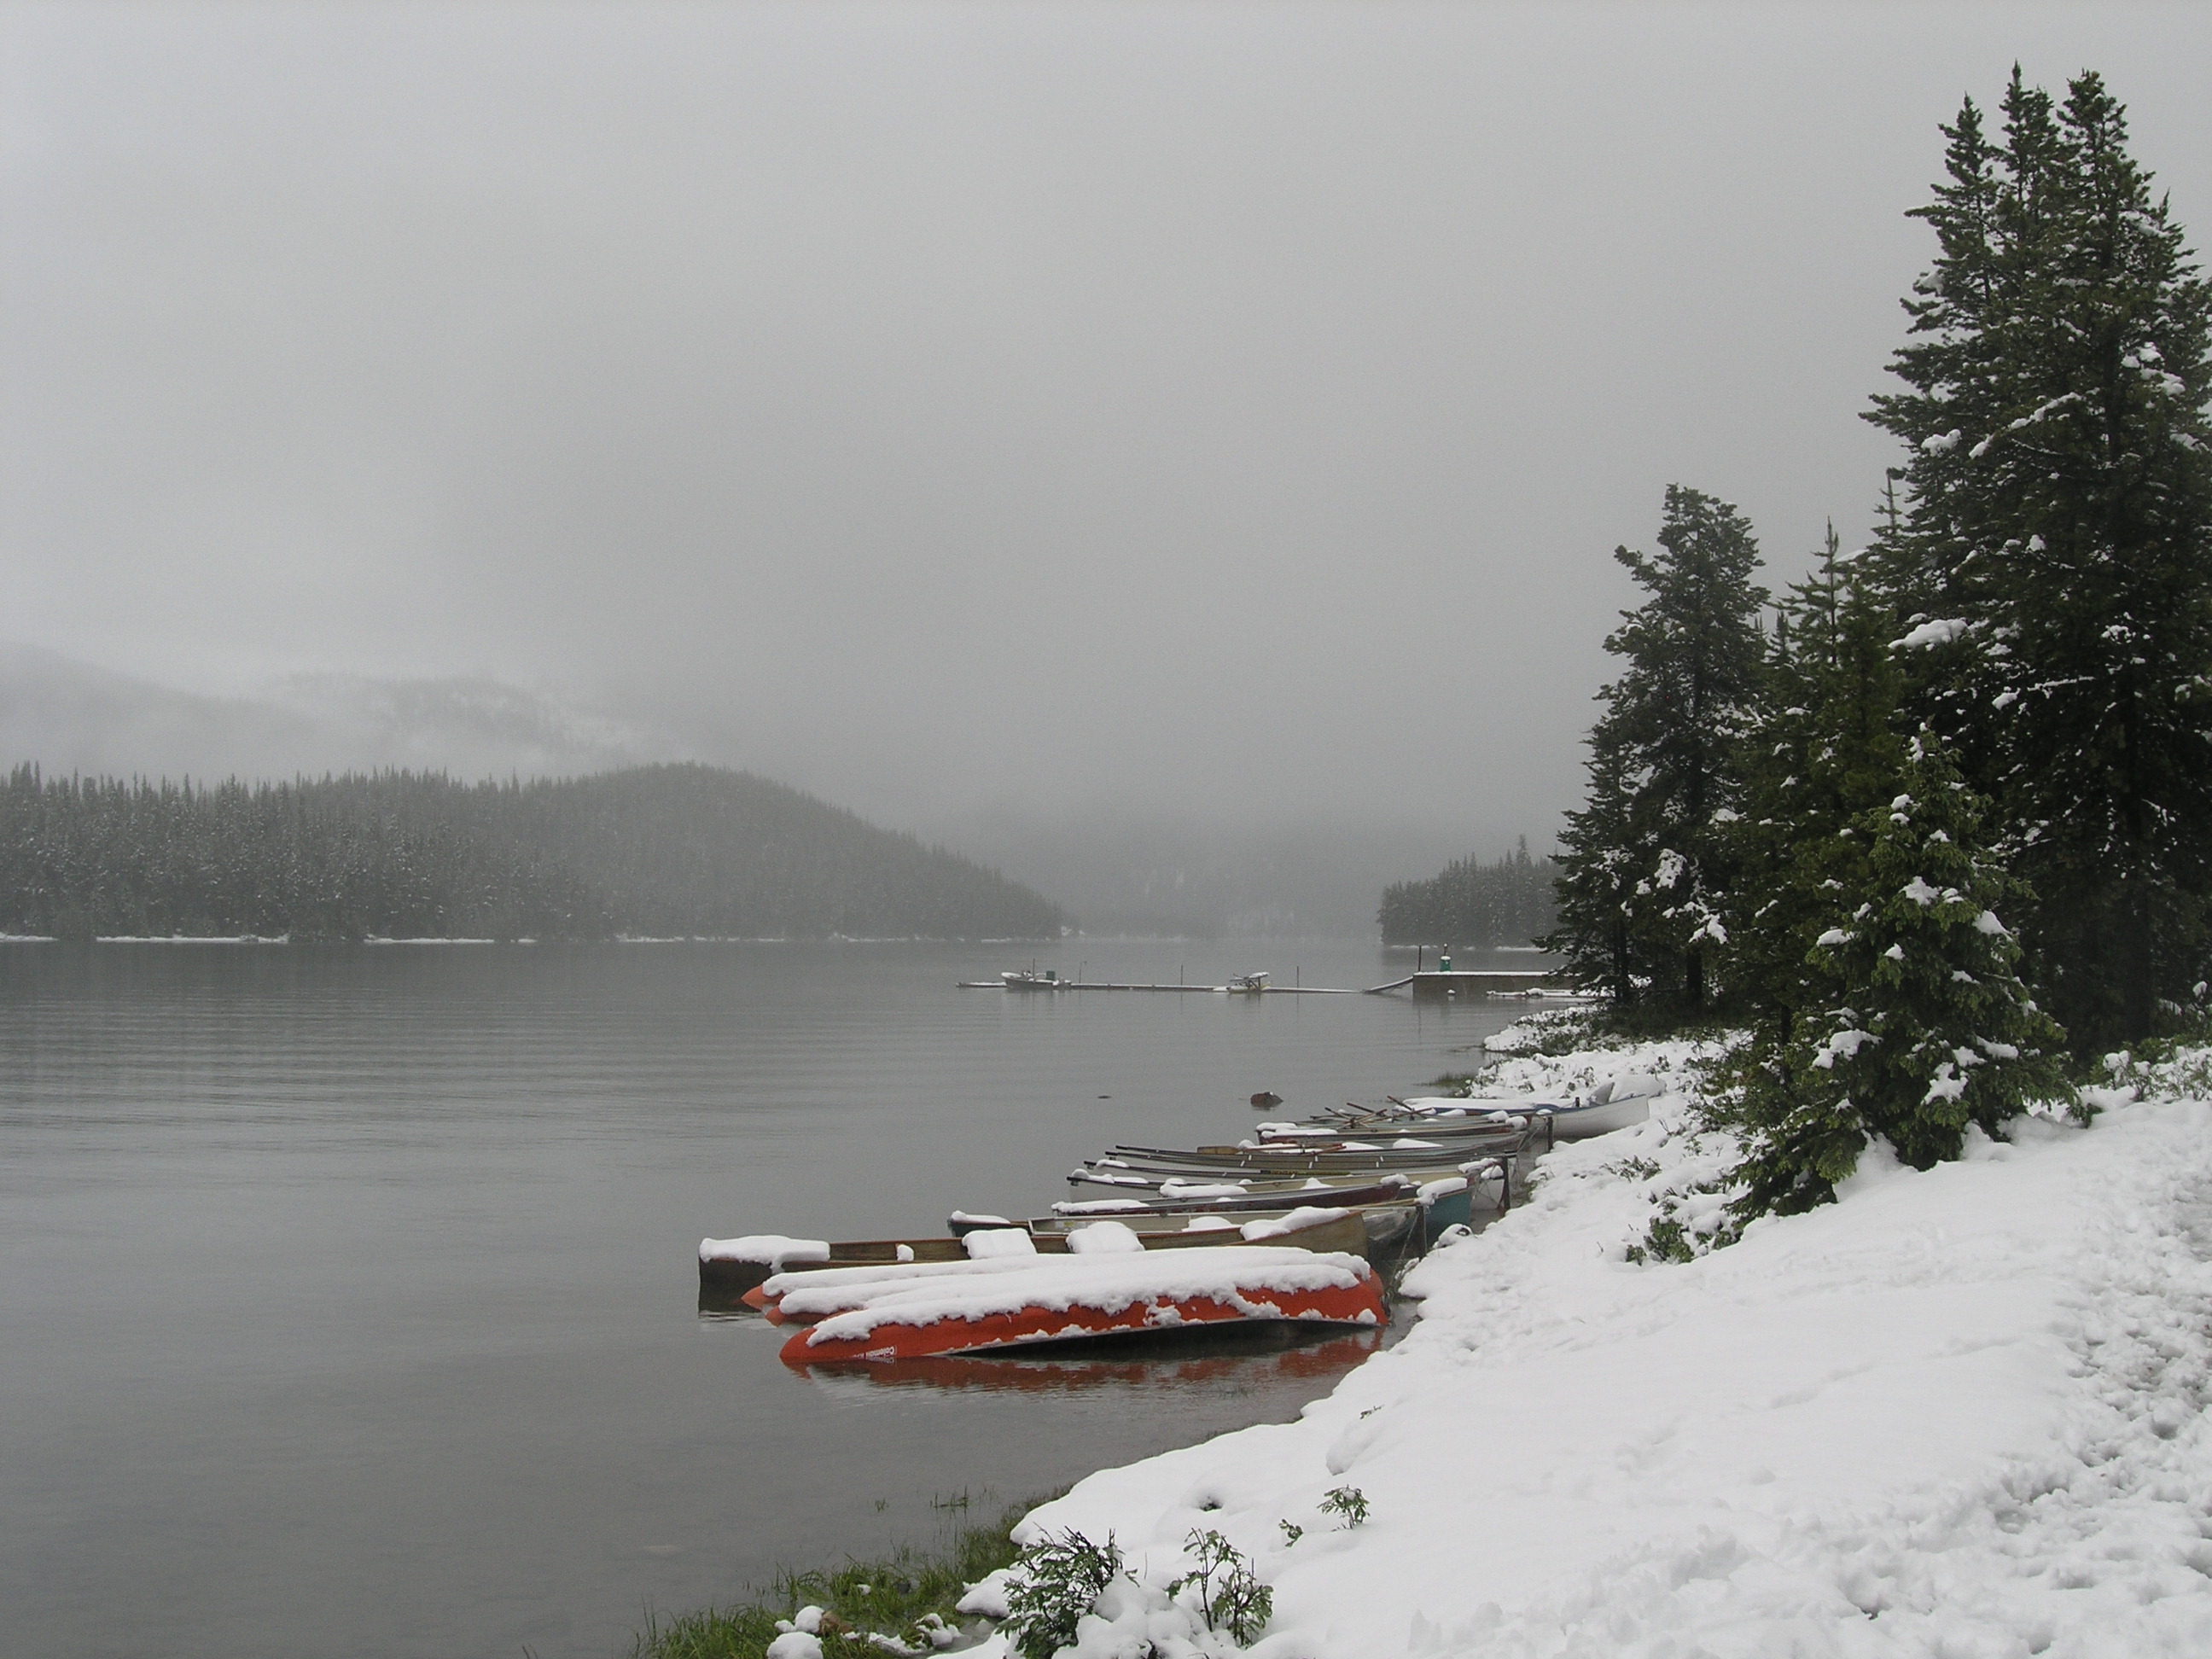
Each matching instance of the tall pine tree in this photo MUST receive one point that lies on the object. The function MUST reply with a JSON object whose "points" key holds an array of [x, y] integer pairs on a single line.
{"points": [[1823, 753], [2051, 579], [1646, 862]]}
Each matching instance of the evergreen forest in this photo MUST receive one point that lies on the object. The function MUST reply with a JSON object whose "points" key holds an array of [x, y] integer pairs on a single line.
{"points": [[1472, 903], [656, 851], [1935, 825]]}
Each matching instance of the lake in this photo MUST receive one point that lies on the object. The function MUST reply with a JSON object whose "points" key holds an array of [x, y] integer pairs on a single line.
{"points": [[349, 1300]]}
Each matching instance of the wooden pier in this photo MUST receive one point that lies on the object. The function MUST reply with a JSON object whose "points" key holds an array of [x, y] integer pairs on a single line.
{"points": [[1438, 985], [1457, 982]]}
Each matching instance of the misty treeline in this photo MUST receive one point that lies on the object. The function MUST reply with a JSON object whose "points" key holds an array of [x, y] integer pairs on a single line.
{"points": [[1508, 901], [656, 851], [1936, 825]]}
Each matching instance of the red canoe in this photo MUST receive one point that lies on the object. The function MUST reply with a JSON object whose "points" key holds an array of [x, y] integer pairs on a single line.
{"points": [[1059, 1298]]}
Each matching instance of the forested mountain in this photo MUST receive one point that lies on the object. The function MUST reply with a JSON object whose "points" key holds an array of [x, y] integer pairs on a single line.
{"points": [[657, 850], [1508, 902]]}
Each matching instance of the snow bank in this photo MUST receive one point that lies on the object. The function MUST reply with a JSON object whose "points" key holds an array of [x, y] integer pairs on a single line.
{"points": [[1958, 1412]]}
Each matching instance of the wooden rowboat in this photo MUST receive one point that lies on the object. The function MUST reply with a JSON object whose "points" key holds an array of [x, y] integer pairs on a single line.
{"points": [[1339, 1232], [723, 1280], [1366, 1229], [1172, 1196], [1147, 1164]]}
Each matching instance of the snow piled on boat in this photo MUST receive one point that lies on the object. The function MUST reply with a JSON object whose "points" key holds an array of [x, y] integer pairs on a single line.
{"points": [[771, 1249], [1960, 1412], [1110, 1283]]}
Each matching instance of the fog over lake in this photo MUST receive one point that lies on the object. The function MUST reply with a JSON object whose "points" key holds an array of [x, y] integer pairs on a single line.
{"points": [[1125, 441]]}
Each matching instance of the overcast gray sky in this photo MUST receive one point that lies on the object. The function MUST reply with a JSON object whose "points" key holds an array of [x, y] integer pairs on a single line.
{"points": [[1216, 412]]}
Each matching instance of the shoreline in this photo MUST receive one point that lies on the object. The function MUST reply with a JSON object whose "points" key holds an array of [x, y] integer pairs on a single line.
{"points": [[911, 1595], [1958, 1408], [1962, 1407]]}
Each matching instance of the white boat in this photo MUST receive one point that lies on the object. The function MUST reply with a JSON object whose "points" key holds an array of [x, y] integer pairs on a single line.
{"points": [[1249, 984], [1029, 979], [1616, 1104]]}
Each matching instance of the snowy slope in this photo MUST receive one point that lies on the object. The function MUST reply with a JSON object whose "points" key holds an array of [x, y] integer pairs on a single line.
{"points": [[1959, 1413]]}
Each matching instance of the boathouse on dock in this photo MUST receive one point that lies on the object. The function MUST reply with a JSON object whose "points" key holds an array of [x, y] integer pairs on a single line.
{"points": [[1442, 983]]}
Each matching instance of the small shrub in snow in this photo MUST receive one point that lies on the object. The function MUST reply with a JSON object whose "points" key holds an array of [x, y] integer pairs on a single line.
{"points": [[1229, 1593], [1554, 1032], [1349, 1502], [1691, 1222], [1055, 1582], [1291, 1533]]}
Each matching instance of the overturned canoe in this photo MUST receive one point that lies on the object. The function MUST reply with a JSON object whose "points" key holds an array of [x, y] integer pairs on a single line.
{"points": [[1004, 1303]]}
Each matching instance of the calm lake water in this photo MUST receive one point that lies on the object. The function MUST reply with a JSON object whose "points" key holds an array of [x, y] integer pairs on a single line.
{"points": [[350, 1301]]}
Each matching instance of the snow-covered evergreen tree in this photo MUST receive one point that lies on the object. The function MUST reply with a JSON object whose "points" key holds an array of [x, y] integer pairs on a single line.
{"points": [[1595, 888], [1929, 1028], [2052, 580], [1823, 751], [1644, 864]]}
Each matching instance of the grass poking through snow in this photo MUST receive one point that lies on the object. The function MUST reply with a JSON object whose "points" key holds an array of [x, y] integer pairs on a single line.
{"points": [[890, 1596]]}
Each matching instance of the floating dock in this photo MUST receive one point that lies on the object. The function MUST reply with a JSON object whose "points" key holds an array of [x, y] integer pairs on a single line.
{"points": [[1471, 982], [1440, 985]]}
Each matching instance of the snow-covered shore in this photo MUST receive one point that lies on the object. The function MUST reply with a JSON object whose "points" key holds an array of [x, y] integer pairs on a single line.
{"points": [[1959, 1413]]}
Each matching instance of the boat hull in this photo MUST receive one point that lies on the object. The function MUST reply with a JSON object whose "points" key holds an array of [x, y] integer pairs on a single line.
{"points": [[1028, 1327], [1582, 1123], [733, 1277]]}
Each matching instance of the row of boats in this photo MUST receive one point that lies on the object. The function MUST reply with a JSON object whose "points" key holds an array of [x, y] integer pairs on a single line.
{"points": [[1289, 1223], [1031, 979]]}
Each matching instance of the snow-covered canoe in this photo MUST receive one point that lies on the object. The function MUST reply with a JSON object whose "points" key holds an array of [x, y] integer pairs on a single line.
{"points": [[1008, 1303]]}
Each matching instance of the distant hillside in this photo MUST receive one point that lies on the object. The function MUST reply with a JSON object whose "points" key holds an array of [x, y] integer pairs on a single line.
{"points": [[659, 850], [1508, 902]]}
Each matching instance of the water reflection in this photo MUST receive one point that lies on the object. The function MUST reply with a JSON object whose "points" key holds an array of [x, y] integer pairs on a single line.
{"points": [[722, 1303], [416, 1367], [1241, 1359]]}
